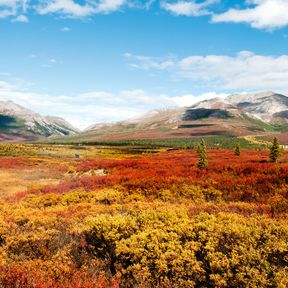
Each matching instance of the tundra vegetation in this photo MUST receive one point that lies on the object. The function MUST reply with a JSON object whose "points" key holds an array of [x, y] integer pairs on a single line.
{"points": [[142, 218]]}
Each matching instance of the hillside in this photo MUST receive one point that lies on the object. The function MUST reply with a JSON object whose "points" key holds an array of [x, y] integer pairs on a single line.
{"points": [[18, 123], [237, 115]]}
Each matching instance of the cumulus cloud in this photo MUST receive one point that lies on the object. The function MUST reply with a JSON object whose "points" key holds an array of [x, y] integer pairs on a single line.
{"points": [[245, 70], [264, 14], [260, 14], [67, 7], [188, 8], [107, 6], [72, 9]]}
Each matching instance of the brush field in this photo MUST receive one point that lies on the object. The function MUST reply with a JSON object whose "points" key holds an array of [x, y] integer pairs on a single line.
{"points": [[92, 216]]}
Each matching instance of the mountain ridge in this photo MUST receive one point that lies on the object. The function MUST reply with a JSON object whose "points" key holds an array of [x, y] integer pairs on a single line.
{"points": [[18, 122], [236, 115]]}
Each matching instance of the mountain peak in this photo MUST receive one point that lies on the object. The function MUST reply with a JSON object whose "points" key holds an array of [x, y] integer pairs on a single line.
{"points": [[263, 105], [214, 103], [247, 97]]}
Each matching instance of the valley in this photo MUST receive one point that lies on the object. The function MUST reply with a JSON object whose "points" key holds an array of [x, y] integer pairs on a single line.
{"points": [[128, 205], [144, 144]]}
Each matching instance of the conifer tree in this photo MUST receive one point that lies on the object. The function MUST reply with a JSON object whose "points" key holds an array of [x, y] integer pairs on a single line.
{"points": [[201, 151], [274, 150], [237, 150]]}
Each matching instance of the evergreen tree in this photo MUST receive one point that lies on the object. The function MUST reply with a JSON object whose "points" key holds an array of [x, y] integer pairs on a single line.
{"points": [[274, 150], [237, 150], [201, 151]]}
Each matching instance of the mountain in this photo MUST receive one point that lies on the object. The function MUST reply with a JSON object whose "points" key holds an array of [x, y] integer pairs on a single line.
{"points": [[267, 106], [236, 115], [254, 114], [19, 123]]}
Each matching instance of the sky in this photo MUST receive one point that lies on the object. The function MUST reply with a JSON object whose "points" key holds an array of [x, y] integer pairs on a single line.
{"points": [[93, 61]]}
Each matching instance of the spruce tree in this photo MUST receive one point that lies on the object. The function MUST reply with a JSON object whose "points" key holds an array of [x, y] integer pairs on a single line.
{"points": [[237, 150], [201, 151], [274, 150]]}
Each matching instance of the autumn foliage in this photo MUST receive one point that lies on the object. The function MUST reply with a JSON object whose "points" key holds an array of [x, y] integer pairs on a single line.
{"points": [[148, 220]]}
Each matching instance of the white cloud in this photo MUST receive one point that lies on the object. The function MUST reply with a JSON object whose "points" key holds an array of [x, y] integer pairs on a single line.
{"points": [[21, 18], [5, 86], [188, 8], [87, 108], [6, 13], [24, 5], [9, 3], [260, 14], [188, 100], [245, 71], [265, 14], [133, 98], [66, 7], [10, 8], [107, 6], [97, 107], [72, 9]]}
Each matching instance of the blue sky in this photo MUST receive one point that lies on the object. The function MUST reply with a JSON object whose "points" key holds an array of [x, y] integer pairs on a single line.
{"points": [[107, 60]]}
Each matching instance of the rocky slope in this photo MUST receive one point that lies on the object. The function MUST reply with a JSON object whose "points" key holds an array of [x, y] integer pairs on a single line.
{"points": [[18, 122], [267, 106]]}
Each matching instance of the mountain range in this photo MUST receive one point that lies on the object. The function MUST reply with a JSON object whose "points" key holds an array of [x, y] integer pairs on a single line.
{"points": [[236, 115]]}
